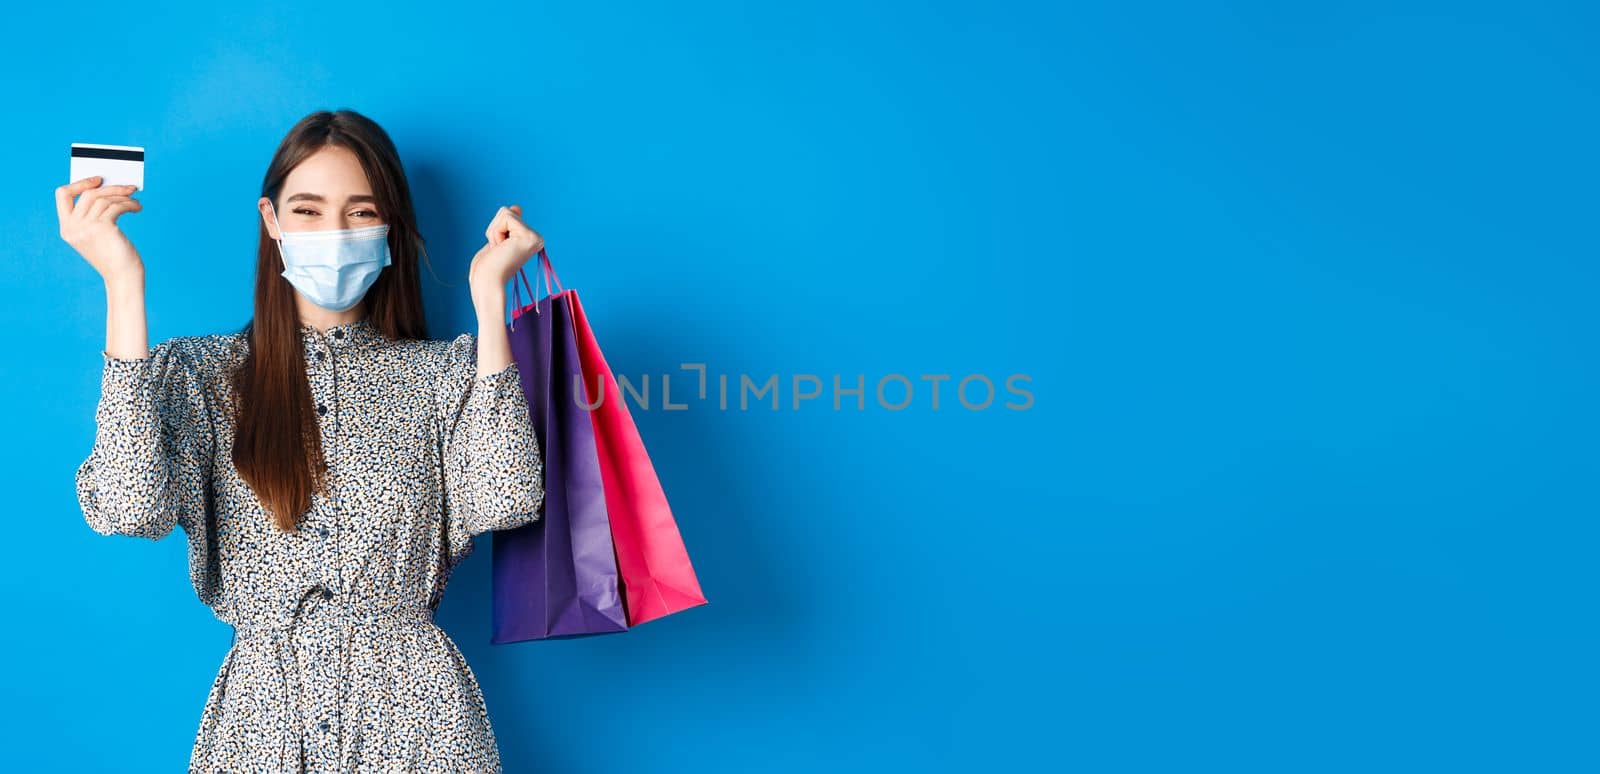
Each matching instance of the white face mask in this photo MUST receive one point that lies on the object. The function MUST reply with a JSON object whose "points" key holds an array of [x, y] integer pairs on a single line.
{"points": [[335, 267]]}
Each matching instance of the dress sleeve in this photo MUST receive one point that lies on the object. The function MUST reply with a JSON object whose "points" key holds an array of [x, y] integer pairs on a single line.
{"points": [[493, 473], [150, 466]]}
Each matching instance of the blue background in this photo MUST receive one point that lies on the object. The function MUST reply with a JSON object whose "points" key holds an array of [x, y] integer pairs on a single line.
{"points": [[1306, 297]]}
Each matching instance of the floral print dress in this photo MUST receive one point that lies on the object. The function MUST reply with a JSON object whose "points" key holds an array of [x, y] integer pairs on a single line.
{"points": [[336, 663]]}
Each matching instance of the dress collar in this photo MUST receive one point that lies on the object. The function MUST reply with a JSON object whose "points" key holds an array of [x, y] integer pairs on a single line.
{"points": [[360, 333]]}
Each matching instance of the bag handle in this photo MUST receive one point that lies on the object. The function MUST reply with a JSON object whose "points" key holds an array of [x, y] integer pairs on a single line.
{"points": [[549, 274], [552, 282], [516, 298]]}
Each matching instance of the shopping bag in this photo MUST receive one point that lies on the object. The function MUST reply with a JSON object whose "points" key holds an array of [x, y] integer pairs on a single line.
{"points": [[657, 577], [556, 577]]}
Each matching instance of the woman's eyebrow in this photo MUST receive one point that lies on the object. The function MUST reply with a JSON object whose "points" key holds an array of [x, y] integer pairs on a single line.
{"points": [[320, 198]]}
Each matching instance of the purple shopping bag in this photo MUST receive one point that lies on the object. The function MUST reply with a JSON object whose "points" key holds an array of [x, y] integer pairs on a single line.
{"points": [[556, 577]]}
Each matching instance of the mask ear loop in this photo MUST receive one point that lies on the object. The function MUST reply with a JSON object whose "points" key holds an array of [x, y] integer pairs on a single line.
{"points": [[278, 240]]}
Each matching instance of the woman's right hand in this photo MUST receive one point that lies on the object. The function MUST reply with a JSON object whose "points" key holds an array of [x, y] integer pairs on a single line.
{"points": [[90, 226]]}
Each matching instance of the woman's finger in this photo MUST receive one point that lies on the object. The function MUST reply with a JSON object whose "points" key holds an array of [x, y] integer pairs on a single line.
{"points": [[98, 207], [115, 210], [514, 224], [492, 233], [65, 194], [89, 197], [86, 200], [106, 214], [507, 224]]}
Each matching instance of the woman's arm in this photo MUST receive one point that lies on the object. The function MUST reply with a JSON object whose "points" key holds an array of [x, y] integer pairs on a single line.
{"points": [[150, 466], [494, 345], [492, 463], [89, 224], [127, 332], [493, 474]]}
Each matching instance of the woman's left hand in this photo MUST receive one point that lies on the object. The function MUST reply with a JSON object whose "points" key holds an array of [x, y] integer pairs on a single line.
{"points": [[511, 243]]}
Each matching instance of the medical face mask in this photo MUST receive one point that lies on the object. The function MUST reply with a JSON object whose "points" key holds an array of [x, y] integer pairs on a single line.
{"points": [[335, 267]]}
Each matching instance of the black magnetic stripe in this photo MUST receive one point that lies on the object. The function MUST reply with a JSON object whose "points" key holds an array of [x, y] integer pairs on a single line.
{"points": [[108, 153]]}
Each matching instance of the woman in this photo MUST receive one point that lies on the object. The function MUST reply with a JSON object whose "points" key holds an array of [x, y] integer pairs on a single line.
{"points": [[329, 463]]}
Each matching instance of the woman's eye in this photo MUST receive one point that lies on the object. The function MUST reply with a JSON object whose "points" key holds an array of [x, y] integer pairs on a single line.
{"points": [[313, 213]]}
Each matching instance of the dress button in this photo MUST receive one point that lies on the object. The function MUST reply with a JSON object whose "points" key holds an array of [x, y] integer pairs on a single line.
{"points": [[339, 334], [321, 355], [322, 725], [327, 593], [322, 531], [321, 409]]}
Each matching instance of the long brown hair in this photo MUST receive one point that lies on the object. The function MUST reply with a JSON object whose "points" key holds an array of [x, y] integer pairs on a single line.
{"points": [[277, 446]]}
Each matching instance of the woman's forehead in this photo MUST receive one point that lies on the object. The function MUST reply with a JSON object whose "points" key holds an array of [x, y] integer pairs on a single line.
{"points": [[332, 173]]}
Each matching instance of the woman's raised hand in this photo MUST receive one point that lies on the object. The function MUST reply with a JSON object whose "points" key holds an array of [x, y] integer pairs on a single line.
{"points": [[511, 243], [90, 226]]}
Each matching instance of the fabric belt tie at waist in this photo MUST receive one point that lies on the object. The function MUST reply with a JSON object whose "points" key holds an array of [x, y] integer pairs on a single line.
{"points": [[281, 634]]}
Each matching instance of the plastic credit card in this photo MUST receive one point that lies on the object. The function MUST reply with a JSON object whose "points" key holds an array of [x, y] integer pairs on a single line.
{"points": [[117, 164]]}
